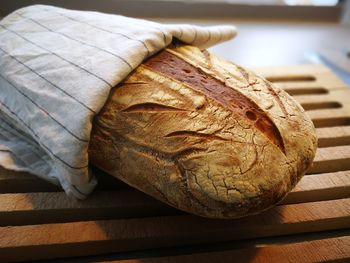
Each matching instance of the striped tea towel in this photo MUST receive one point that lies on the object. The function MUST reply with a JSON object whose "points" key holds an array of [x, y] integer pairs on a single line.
{"points": [[57, 67]]}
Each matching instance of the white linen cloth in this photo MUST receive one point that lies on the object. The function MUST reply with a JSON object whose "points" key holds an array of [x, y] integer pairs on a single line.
{"points": [[57, 67]]}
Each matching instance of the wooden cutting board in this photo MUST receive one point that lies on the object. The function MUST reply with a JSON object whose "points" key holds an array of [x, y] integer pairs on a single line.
{"points": [[38, 221]]}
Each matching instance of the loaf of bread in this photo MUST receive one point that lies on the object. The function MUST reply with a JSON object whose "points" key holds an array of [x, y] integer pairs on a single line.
{"points": [[203, 135]]}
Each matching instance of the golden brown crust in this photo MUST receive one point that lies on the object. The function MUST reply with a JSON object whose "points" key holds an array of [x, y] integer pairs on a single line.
{"points": [[171, 66], [203, 135]]}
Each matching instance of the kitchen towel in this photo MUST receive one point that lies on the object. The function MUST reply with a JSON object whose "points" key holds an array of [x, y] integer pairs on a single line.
{"points": [[57, 67]]}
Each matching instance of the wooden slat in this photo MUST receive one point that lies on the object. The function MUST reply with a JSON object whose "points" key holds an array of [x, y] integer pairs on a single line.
{"points": [[341, 96], [301, 76], [330, 117], [333, 105], [54, 207], [331, 159], [339, 119], [317, 187], [21, 182], [329, 104], [322, 250], [333, 136], [94, 237]]}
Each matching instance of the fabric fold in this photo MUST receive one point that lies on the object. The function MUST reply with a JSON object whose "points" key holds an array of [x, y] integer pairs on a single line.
{"points": [[57, 67]]}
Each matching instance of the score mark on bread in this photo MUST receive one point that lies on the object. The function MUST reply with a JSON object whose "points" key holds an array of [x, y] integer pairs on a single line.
{"points": [[150, 107], [173, 67], [203, 137]]}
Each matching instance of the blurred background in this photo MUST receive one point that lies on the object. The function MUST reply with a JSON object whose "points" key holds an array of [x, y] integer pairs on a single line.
{"points": [[270, 32]]}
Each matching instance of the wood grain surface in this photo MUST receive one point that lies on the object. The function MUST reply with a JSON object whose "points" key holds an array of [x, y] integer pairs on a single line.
{"points": [[118, 223]]}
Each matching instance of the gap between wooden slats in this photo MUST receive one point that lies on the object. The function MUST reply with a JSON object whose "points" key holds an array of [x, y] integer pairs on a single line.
{"points": [[305, 91], [94, 237]]}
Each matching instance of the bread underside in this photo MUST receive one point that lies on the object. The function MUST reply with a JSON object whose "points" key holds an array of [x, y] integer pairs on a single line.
{"points": [[203, 135]]}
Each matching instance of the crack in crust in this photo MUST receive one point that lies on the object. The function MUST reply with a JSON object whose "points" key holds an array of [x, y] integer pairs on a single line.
{"points": [[173, 67], [245, 75], [278, 99], [185, 186], [195, 134], [150, 107], [243, 72]]}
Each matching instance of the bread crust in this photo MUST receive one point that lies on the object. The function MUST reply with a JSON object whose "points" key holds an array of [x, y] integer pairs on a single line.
{"points": [[203, 135]]}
